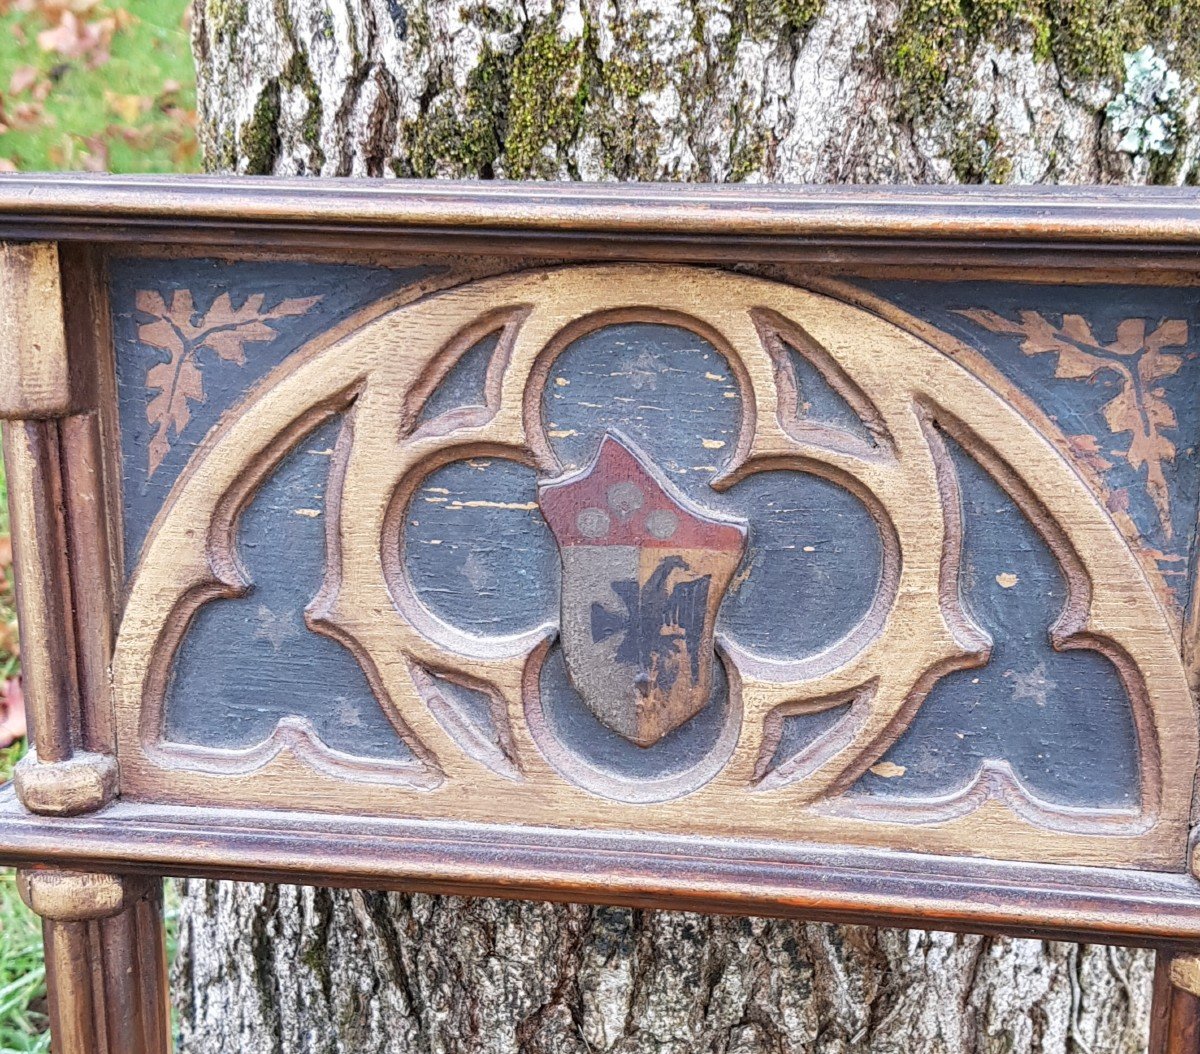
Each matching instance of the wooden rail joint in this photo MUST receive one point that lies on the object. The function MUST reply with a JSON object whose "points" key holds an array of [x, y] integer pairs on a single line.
{"points": [[82, 783], [38, 378]]}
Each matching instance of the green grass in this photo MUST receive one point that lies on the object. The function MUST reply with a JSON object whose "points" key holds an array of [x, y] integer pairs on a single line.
{"points": [[131, 113], [134, 112], [22, 974]]}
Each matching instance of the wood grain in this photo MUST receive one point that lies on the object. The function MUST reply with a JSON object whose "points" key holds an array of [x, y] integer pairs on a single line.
{"points": [[33, 468], [61, 499], [1175, 1008], [507, 811], [732, 876], [1112, 607], [37, 376], [106, 970], [1159, 215], [1152, 230], [80, 783]]}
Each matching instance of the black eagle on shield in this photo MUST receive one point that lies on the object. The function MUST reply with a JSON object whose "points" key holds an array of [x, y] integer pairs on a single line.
{"points": [[644, 572]]}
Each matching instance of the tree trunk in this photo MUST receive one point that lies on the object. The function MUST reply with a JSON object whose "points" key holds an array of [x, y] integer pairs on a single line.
{"points": [[784, 90]]}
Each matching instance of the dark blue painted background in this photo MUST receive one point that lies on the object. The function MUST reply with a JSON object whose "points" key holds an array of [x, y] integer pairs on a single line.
{"points": [[1061, 719], [343, 289], [1076, 404], [813, 561], [247, 662]]}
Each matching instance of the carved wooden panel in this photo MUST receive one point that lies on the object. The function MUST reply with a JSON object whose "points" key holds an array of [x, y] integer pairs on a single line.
{"points": [[821, 552], [661, 547]]}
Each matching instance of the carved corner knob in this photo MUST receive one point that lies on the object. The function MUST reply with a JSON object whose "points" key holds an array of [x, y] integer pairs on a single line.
{"points": [[82, 783], [1185, 973], [73, 896]]}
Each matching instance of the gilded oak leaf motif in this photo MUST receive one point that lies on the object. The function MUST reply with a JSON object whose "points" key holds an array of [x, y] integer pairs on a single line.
{"points": [[180, 331], [1137, 357]]}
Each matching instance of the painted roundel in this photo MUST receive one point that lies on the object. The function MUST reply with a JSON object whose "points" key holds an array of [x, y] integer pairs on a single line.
{"points": [[667, 548]]}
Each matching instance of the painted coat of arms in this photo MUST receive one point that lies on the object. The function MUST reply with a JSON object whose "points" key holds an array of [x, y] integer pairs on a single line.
{"points": [[644, 572]]}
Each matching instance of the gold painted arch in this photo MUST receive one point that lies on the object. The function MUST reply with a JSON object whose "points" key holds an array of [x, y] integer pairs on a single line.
{"points": [[913, 634]]}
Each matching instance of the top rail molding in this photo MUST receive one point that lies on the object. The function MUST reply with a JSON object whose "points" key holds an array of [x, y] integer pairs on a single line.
{"points": [[120, 207]]}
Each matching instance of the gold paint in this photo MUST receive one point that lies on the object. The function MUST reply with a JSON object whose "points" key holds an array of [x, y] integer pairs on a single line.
{"points": [[899, 642], [515, 506]]}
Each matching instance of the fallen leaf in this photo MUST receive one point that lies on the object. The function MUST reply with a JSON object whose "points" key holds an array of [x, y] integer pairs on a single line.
{"points": [[12, 713], [52, 10], [10, 641], [184, 150], [1006, 580], [95, 158], [27, 115], [127, 107], [888, 770], [23, 78], [74, 39], [138, 137]]}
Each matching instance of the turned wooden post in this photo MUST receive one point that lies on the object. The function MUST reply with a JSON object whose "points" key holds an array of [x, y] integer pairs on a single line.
{"points": [[105, 961], [1175, 1007], [106, 974]]}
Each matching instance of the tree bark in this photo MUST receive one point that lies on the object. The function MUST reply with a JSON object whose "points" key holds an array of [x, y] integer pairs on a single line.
{"points": [[933, 91]]}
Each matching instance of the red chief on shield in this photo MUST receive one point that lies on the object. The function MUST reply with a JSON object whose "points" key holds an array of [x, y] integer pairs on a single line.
{"points": [[644, 573]]}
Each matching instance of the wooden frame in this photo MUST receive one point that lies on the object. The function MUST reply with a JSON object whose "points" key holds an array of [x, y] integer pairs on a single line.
{"points": [[108, 803]]}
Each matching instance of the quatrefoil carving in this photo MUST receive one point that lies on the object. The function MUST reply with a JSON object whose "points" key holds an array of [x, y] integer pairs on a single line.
{"points": [[380, 372]]}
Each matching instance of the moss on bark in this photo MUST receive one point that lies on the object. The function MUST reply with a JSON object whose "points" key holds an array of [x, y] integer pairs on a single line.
{"points": [[258, 139], [1087, 39], [547, 94]]}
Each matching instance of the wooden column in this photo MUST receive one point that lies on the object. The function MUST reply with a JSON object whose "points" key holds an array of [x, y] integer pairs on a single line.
{"points": [[106, 972], [1175, 1011], [105, 961], [61, 533]]}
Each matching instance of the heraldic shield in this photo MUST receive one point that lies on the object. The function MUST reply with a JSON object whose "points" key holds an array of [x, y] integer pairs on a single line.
{"points": [[644, 572]]}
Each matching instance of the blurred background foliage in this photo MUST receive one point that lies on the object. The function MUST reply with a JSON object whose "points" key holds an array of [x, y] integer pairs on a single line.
{"points": [[92, 86], [95, 86]]}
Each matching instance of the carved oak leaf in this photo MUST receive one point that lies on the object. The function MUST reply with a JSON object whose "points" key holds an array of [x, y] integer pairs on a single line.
{"points": [[1138, 358], [175, 329]]}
